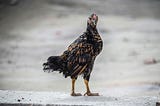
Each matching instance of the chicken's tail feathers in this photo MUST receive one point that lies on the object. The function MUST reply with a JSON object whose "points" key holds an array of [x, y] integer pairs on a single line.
{"points": [[56, 63]]}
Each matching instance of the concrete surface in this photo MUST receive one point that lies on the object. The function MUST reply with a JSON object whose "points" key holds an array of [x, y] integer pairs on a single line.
{"points": [[62, 98]]}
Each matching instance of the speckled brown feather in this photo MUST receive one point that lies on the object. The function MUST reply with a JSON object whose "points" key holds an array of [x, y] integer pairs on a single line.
{"points": [[80, 56]]}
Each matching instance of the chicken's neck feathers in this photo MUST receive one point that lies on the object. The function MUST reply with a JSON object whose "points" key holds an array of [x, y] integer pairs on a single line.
{"points": [[91, 32]]}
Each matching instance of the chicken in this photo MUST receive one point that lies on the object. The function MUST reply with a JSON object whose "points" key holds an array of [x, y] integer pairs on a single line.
{"points": [[79, 58]]}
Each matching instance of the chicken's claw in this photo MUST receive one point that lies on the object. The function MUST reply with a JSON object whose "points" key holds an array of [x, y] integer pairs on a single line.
{"points": [[91, 94], [76, 94]]}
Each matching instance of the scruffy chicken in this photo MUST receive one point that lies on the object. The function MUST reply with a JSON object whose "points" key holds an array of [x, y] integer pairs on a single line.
{"points": [[79, 58]]}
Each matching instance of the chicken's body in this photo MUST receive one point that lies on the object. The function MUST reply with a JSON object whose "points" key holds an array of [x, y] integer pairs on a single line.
{"points": [[79, 58]]}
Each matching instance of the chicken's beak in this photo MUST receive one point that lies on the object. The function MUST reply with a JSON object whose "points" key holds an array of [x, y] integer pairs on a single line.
{"points": [[94, 16], [94, 19]]}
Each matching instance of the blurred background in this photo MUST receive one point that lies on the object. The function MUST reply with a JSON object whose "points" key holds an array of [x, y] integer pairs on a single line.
{"points": [[33, 30]]}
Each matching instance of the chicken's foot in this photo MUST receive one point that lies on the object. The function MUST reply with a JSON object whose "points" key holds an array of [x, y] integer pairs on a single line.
{"points": [[73, 93], [88, 93]]}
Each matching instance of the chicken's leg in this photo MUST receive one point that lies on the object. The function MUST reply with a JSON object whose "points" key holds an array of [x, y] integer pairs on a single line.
{"points": [[73, 93], [88, 93]]}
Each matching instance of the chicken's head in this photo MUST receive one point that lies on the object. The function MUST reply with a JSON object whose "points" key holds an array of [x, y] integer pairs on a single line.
{"points": [[92, 21]]}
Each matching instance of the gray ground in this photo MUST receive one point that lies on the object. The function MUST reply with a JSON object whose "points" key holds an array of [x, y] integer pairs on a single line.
{"points": [[32, 31], [43, 98]]}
